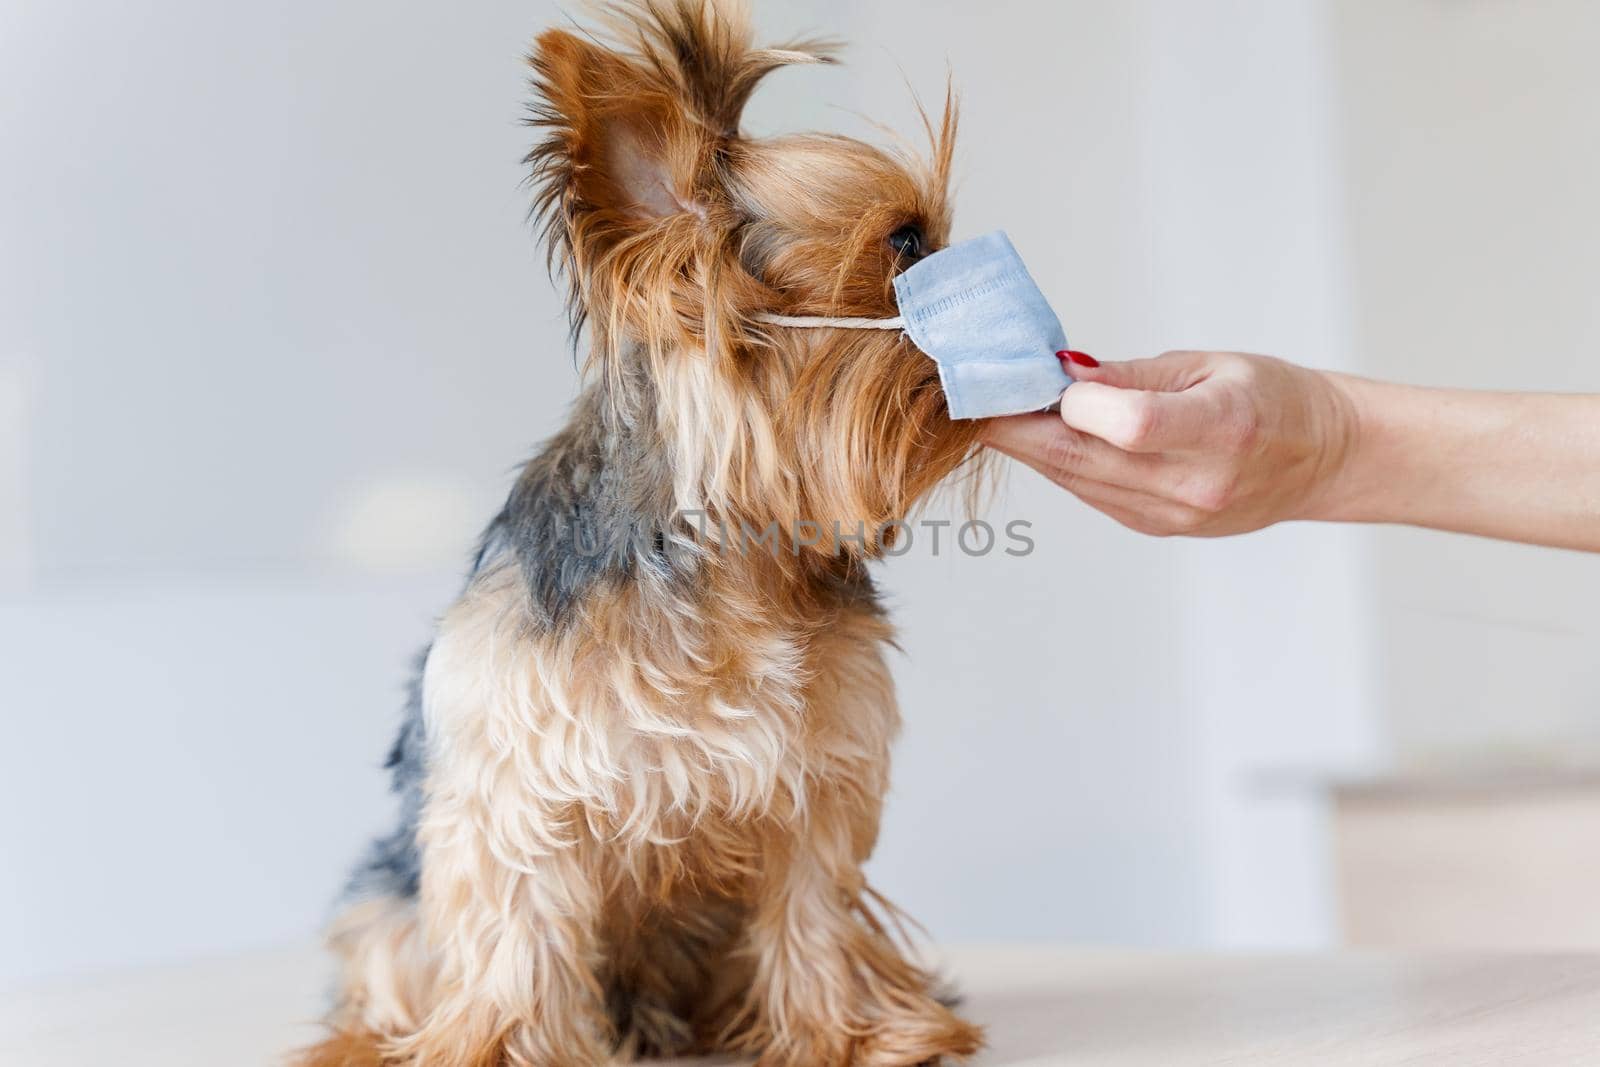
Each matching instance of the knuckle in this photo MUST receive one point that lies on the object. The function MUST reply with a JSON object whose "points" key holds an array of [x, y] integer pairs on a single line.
{"points": [[1142, 421], [1064, 453], [1199, 497], [1239, 426], [1249, 373], [1211, 495]]}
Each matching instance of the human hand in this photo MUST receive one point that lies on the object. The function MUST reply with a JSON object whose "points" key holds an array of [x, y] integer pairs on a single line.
{"points": [[1198, 443]]}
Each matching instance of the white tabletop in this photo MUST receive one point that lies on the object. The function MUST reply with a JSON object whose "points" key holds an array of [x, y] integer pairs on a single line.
{"points": [[1042, 1006]]}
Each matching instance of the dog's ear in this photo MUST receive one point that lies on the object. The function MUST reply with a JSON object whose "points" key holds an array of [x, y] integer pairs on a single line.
{"points": [[629, 177], [618, 146]]}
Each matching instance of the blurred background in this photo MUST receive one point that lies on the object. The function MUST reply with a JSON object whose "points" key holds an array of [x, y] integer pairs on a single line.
{"points": [[274, 333]]}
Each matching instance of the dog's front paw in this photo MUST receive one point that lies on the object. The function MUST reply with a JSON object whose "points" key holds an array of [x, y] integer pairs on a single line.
{"points": [[931, 1035]]}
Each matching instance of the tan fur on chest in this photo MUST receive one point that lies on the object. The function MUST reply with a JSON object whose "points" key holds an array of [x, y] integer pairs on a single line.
{"points": [[653, 722]]}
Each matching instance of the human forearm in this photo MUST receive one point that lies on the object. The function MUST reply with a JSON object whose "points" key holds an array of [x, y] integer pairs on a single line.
{"points": [[1522, 467]]}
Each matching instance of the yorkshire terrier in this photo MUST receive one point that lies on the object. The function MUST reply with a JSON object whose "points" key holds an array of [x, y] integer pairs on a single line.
{"points": [[647, 753]]}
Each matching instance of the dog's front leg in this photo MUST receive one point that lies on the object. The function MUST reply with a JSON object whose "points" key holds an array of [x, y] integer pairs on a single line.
{"points": [[516, 946], [832, 989], [510, 897]]}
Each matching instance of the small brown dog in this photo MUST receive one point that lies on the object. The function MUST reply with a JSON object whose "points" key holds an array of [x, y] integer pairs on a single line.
{"points": [[647, 753]]}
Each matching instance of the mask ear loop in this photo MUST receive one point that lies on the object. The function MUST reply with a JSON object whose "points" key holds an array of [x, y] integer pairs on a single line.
{"points": [[819, 322]]}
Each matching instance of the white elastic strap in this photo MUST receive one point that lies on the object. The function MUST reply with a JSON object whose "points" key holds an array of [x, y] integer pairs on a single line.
{"points": [[817, 322]]}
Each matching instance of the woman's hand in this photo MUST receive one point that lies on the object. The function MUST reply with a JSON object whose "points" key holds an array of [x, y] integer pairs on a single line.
{"points": [[1212, 443], [1202, 443]]}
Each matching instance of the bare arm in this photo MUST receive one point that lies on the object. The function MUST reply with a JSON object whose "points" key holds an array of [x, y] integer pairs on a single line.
{"points": [[1214, 443], [1516, 466]]}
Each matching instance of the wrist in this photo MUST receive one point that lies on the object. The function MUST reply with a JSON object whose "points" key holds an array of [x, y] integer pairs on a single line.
{"points": [[1357, 477], [1413, 455]]}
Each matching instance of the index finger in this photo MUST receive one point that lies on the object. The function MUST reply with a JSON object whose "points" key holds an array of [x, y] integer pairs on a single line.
{"points": [[1137, 420]]}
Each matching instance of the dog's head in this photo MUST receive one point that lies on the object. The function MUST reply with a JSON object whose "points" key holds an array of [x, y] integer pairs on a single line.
{"points": [[676, 231]]}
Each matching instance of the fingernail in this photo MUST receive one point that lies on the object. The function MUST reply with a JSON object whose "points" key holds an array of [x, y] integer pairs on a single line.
{"points": [[1082, 359]]}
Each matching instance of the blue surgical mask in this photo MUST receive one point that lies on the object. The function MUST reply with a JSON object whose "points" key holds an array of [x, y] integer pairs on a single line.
{"points": [[976, 311]]}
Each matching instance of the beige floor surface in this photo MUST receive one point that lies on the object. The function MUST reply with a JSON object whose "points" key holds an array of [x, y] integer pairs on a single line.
{"points": [[1042, 1007]]}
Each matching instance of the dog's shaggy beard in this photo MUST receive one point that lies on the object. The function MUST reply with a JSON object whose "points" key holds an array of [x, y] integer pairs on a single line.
{"points": [[870, 431]]}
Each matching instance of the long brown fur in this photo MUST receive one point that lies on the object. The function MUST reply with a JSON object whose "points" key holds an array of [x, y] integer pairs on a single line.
{"points": [[646, 808]]}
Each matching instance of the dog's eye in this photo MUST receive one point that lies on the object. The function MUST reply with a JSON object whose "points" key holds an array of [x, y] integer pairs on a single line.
{"points": [[908, 244]]}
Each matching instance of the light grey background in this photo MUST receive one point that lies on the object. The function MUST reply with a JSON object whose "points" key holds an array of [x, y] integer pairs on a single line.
{"points": [[274, 333]]}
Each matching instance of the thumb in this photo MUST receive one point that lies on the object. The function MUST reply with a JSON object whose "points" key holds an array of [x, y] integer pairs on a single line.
{"points": [[1171, 372]]}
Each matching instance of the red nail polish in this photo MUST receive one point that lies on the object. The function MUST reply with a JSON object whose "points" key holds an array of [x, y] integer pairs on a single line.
{"points": [[1082, 359]]}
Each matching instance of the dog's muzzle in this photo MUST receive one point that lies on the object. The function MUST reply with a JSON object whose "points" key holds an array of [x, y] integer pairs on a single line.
{"points": [[975, 310]]}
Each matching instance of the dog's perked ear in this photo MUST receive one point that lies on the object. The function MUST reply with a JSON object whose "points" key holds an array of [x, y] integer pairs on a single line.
{"points": [[629, 180]]}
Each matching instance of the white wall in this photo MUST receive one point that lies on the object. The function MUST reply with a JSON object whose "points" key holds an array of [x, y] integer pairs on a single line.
{"points": [[1473, 159], [277, 334]]}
